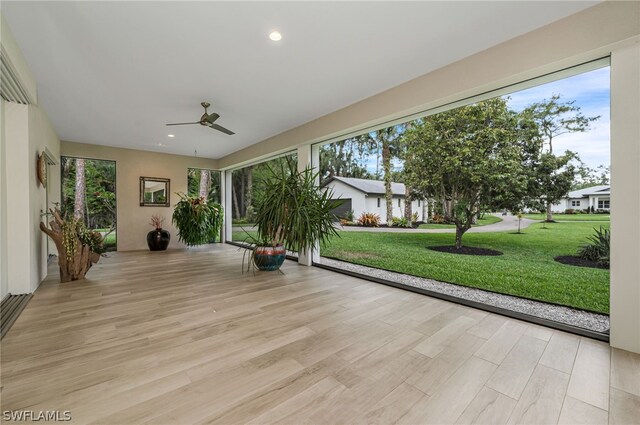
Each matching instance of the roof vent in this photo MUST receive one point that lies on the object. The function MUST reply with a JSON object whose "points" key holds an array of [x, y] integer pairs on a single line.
{"points": [[10, 88]]}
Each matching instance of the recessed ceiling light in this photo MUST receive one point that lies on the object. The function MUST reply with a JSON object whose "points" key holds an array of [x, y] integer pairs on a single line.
{"points": [[275, 36], [171, 135]]}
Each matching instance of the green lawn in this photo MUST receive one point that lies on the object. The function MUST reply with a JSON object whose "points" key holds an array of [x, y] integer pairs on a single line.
{"points": [[487, 219], [526, 269], [570, 217]]}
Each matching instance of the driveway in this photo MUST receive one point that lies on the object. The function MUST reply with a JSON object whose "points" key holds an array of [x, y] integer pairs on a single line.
{"points": [[508, 223]]}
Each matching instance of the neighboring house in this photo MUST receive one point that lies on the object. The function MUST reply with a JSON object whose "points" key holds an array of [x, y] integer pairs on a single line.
{"points": [[361, 195], [594, 198]]}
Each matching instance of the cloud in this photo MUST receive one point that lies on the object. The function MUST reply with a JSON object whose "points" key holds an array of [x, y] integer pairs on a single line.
{"points": [[591, 92]]}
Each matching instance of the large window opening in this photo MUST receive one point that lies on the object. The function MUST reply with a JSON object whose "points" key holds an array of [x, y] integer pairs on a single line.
{"points": [[245, 189], [89, 194], [507, 197], [204, 183]]}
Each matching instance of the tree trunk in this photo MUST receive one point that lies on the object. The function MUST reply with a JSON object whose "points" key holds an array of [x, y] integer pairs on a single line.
{"points": [[408, 208], [73, 266], [388, 194], [549, 212], [234, 197], [78, 206], [249, 197], [243, 194], [519, 223], [205, 184], [459, 232]]}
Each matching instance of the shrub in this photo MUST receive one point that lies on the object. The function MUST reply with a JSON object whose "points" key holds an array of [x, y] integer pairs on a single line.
{"points": [[345, 222], [414, 217], [400, 222], [569, 211], [369, 220], [349, 216], [598, 247], [437, 219]]}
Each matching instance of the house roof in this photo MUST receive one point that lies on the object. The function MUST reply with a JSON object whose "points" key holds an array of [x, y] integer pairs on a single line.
{"points": [[593, 190], [368, 187]]}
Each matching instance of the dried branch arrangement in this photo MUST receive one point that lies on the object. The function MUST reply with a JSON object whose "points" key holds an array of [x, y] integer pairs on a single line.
{"points": [[78, 247]]}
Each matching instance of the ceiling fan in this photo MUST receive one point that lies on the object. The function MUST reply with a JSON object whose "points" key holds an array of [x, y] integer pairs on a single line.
{"points": [[208, 120]]}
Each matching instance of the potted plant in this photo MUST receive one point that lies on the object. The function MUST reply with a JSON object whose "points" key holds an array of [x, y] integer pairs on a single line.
{"points": [[292, 213], [158, 239], [197, 220], [78, 247]]}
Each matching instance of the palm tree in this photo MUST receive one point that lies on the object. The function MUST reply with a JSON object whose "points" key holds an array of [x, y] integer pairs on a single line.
{"points": [[79, 204]]}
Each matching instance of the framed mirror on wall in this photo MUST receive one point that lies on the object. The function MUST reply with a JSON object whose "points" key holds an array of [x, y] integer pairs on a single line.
{"points": [[154, 192]]}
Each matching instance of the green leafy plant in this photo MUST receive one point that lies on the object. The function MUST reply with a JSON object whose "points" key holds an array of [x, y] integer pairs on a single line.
{"points": [[349, 215], [369, 220], [197, 220], [401, 222], [598, 247], [291, 210]]}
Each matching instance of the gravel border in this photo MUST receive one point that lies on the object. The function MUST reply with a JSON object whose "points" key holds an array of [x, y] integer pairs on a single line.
{"points": [[571, 316]]}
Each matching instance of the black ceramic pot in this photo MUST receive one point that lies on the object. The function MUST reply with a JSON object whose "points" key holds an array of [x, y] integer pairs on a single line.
{"points": [[158, 240]]}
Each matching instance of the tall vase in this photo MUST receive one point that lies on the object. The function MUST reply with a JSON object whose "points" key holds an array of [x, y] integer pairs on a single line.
{"points": [[158, 240]]}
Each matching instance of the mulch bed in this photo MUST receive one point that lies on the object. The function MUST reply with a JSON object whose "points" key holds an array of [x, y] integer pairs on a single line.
{"points": [[466, 250], [572, 260]]}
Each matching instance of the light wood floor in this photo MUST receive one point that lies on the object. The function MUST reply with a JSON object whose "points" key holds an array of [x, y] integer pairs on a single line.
{"points": [[184, 337]]}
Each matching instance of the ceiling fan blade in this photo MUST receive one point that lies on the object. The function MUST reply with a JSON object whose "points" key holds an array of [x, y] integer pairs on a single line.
{"points": [[185, 123], [212, 118], [221, 128]]}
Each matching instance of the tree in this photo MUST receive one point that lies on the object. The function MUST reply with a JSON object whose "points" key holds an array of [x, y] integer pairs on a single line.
{"points": [[347, 158], [469, 157], [205, 184], [388, 141], [587, 176], [554, 118], [79, 204], [554, 175]]}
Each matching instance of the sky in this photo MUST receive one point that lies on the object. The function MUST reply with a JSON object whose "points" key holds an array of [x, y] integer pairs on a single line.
{"points": [[590, 90], [591, 93]]}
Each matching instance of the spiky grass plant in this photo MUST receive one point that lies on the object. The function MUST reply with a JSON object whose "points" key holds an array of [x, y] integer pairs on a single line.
{"points": [[597, 249], [291, 210]]}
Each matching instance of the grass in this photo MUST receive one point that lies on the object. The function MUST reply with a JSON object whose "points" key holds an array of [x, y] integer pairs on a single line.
{"points": [[570, 217], [527, 268], [486, 219]]}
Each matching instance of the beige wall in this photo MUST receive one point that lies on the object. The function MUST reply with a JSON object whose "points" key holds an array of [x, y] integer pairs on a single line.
{"points": [[625, 198], [41, 136], [133, 220], [27, 133], [4, 278]]}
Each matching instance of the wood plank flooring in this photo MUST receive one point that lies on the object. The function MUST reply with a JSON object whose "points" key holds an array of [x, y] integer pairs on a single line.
{"points": [[183, 337]]}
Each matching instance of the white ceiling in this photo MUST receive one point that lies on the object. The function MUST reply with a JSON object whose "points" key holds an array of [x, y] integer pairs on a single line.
{"points": [[113, 73]]}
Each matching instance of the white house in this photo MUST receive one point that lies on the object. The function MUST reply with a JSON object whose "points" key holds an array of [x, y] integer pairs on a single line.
{"points": [[593, 198], [362, 195]]}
